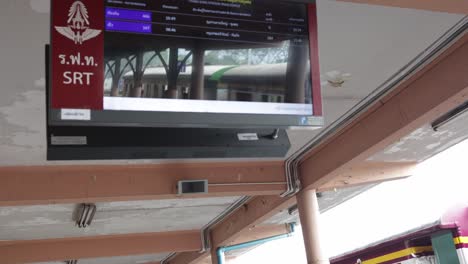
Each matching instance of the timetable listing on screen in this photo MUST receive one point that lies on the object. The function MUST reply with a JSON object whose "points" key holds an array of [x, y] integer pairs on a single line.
{"points": [[197, 32], [250, 23], [211, 22], [258, 10]]}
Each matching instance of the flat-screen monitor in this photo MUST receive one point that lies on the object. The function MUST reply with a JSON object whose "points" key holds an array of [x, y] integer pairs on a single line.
{"points": [[185, 63]]}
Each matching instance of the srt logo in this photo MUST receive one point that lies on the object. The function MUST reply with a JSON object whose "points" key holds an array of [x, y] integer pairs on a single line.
{"points": [[78, 24]]}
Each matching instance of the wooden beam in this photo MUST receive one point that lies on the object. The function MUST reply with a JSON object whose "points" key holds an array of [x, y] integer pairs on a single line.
{"points": [[449, 6], [13, 252], [369, 173], [78, 184], [438, 88]]}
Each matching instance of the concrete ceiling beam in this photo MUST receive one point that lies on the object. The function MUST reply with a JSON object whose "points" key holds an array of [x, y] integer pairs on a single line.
{"points": [[448, 6], [90, 184], [13, 252], [438, 87], [79, 184], [369, 172]]}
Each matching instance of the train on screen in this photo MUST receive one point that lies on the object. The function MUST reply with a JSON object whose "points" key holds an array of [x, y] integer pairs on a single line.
{"points": [[222, 83], [442, 242]]}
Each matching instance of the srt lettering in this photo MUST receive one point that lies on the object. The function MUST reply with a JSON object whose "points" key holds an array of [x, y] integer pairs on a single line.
{"points": [[77, 78]]}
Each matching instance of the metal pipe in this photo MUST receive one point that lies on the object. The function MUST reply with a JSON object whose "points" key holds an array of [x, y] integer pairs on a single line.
{"points": [[91, 216], [247, 183], [450, 116], [221, 250], [205, 232], [167, 258]]}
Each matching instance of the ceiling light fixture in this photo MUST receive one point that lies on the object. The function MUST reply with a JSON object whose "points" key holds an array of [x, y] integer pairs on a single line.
{"points": [[336, 78], [450, 116]]}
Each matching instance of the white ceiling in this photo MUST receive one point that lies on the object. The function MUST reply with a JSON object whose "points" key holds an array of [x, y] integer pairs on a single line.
{"points": [[370, 42], [55, 221]]}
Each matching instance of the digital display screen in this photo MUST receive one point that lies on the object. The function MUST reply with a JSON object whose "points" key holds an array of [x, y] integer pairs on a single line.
{"points": [[207, 56], [185, 63]]}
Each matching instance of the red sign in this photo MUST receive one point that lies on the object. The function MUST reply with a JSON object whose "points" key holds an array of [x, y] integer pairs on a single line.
{"points": [[77, 54]]}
